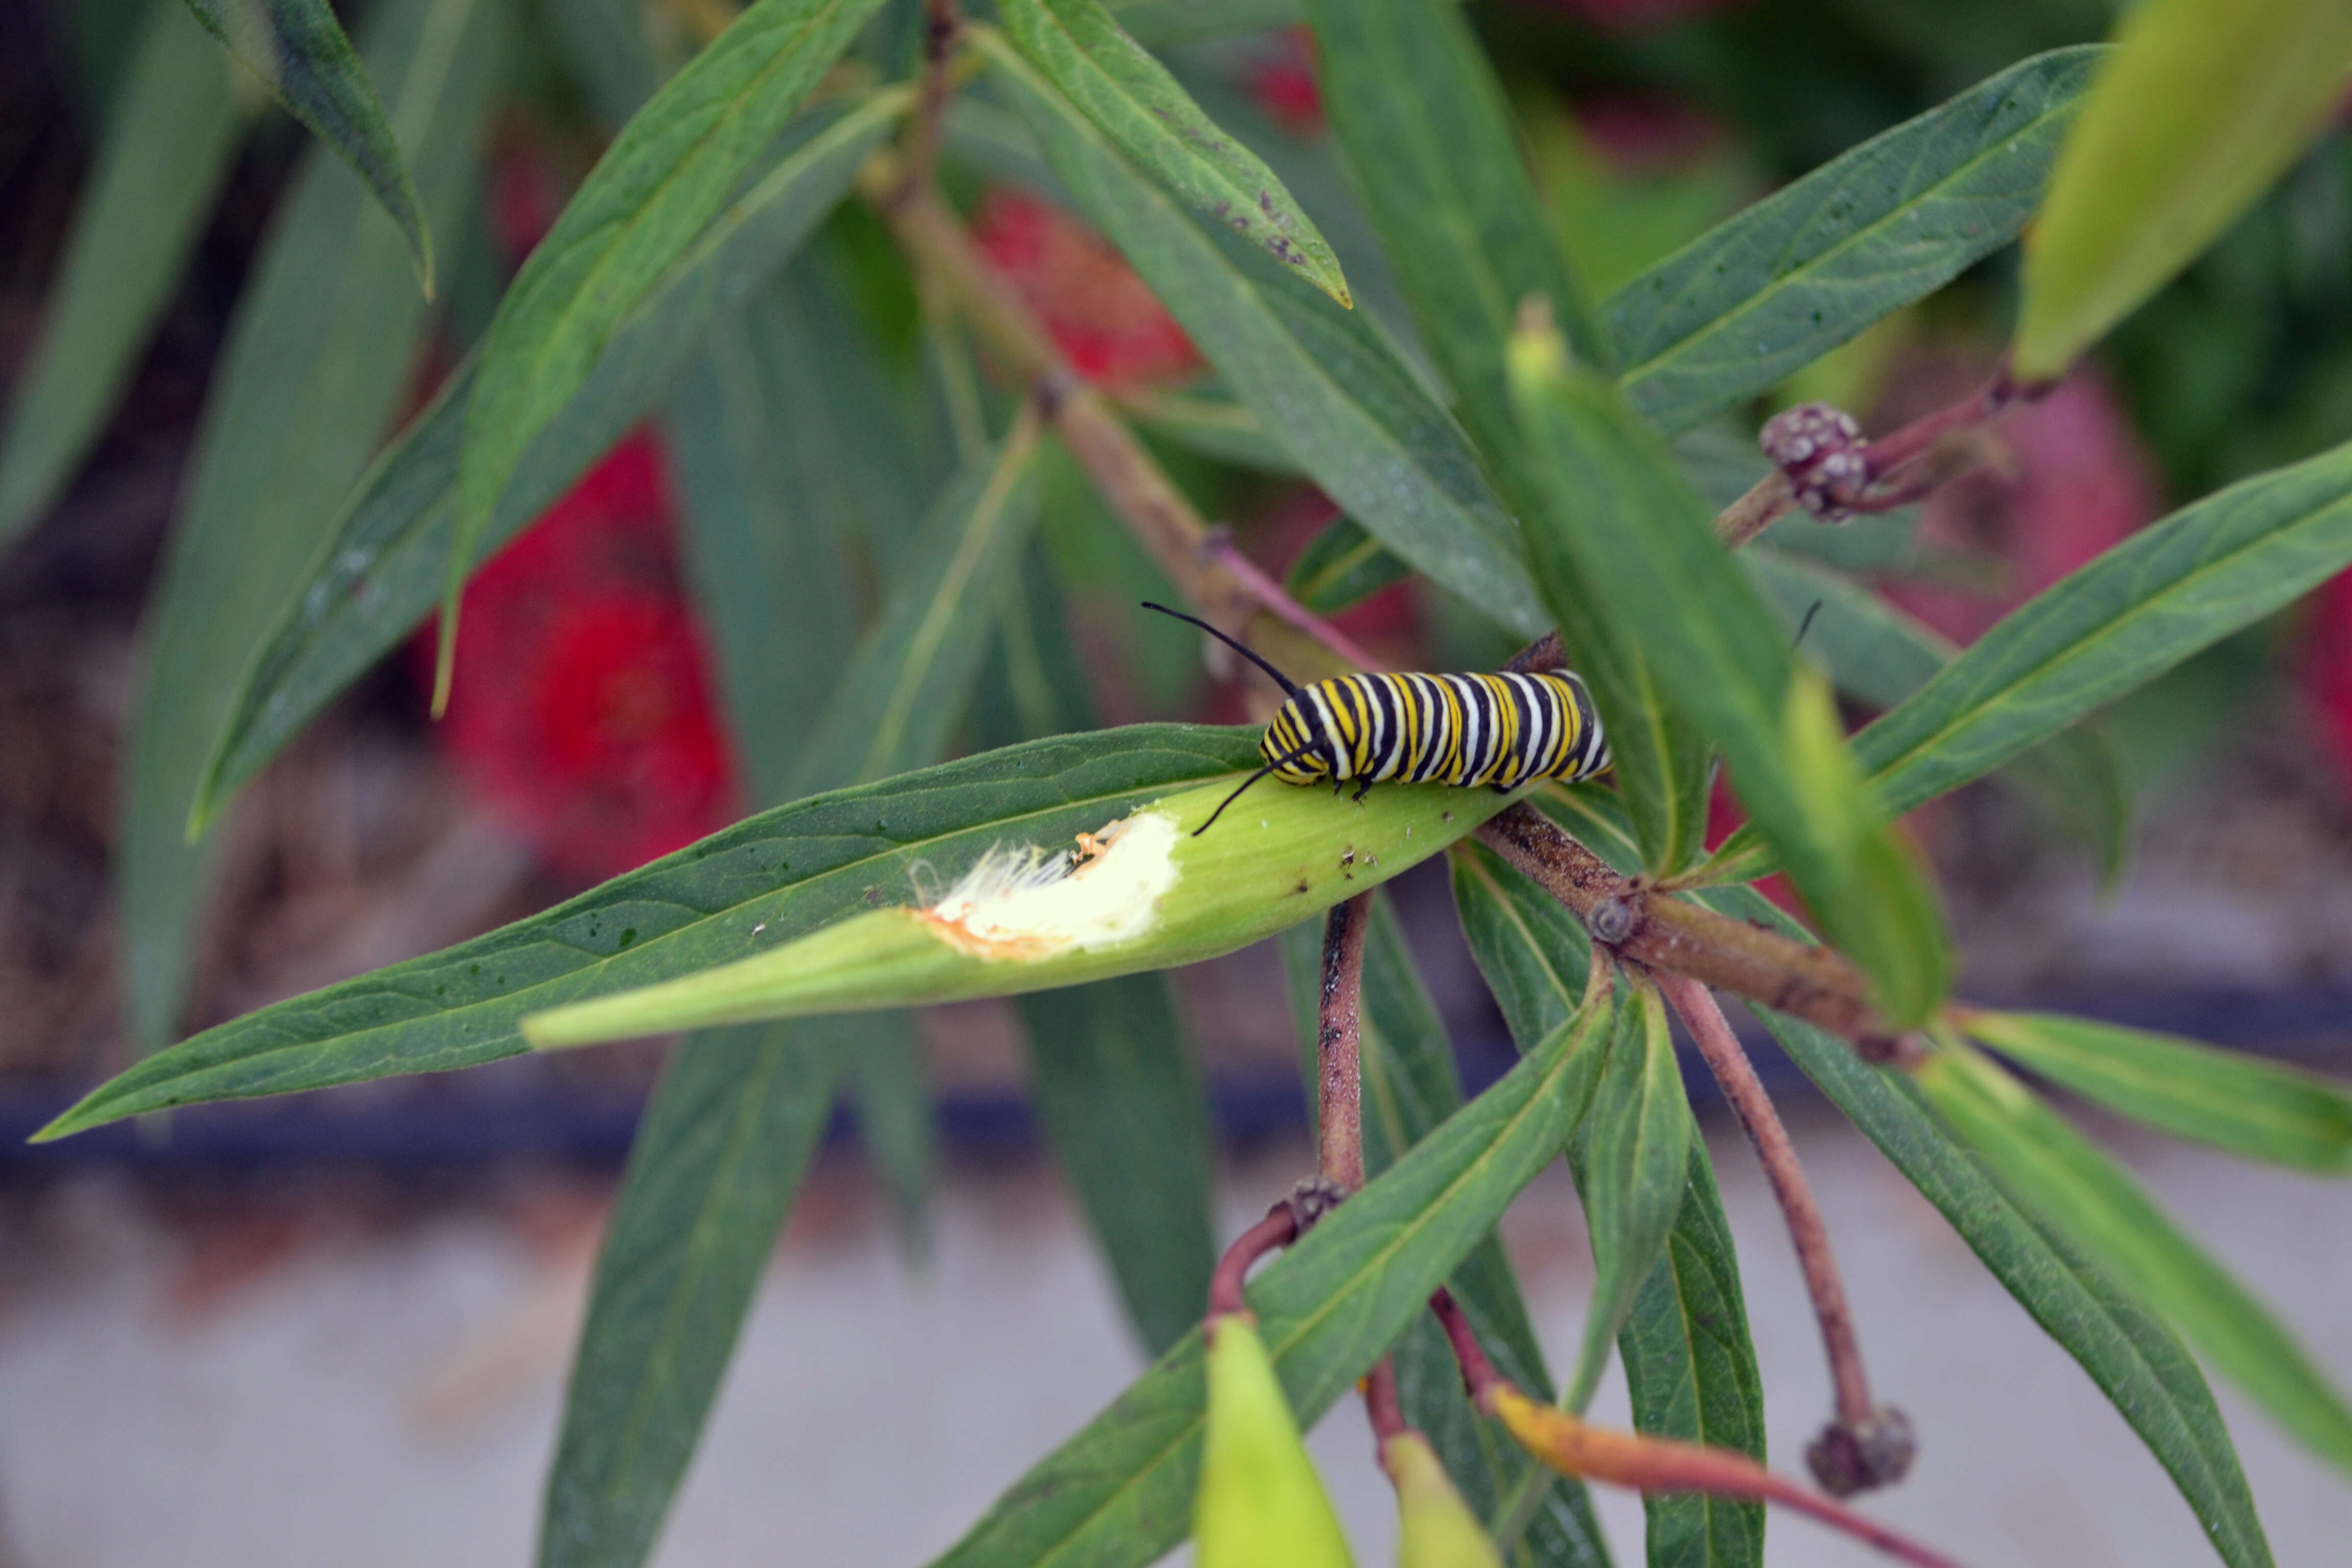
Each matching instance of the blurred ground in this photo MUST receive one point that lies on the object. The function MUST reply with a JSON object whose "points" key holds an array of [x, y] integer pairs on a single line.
{"points": [[302, 1372]]}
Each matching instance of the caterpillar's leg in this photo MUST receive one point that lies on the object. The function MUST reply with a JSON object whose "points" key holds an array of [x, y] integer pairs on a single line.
{"points": [[1362, 789]]}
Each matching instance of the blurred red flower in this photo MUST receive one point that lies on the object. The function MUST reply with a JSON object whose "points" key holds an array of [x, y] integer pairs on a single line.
{"points": [[582, 710], [1104, 317], [2327, 666], [1282, 81]]}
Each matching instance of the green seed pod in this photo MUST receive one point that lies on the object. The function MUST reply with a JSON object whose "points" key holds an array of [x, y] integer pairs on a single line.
{"points": [[1142, 894], [1435, 1527], [1260, 1504]]}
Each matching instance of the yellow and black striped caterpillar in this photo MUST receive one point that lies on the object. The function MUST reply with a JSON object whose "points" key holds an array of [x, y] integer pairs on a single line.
{"points": [[1499, 730]]}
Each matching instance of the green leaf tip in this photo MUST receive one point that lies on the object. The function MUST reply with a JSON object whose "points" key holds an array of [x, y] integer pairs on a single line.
{"points": [[2204, 104], [1535, 353]]}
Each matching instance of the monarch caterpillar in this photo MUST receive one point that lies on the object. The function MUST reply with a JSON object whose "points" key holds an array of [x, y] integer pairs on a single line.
{"points": [[1495, 729]]}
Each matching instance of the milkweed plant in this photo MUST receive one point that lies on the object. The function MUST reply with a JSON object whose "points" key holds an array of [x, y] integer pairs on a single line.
{"points": [[831, 255]]}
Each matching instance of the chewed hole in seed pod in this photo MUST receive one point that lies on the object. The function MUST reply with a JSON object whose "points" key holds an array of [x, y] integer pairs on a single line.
{"points": [[1026, 903]]}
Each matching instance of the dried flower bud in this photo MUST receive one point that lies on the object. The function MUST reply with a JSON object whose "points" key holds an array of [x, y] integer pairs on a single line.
{"points": [[1435, 1527], [1850, 1456], [1260, 1502], [1821, 451], [1142, 893]]}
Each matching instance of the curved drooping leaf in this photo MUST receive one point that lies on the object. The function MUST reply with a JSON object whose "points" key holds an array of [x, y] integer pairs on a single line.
{"points": [[168, 144], [2262, 1109], [1410, 1086], [1133, 100], [905, 684], [1119, 1493], [770, 587], [1690, 1366], [2174, 587], [1214, 427], [298, 50], [314, 370], [2200, 108], [764, 881], [1614, 504], [1322, 380], [1415, 106], [2079, 1192], [1634, 1149], [381, 575], [712, 1170], [1738, 309], [2135, 1359], [1879, 655], [1121, 1104], [669, 173]]}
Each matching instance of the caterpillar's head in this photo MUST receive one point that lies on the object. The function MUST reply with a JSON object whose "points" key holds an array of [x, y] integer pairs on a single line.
{"points": [[1294, 748]]}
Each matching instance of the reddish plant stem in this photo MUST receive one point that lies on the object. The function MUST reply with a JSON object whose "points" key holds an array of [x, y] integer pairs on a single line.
{"points": [[1478, 1374], [1276, 1230], [942, 20], [1807, 1233], [1338, 1061], [1381, 1407], [1663, 933], [1276, 600]]}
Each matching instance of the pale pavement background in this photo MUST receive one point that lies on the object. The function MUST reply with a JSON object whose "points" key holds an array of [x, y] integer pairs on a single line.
{"points": [[385, 1393]]}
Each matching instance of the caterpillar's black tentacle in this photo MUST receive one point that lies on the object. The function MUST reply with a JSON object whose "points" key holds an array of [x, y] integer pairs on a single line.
{"points": [[1280, 680], [1278, 763]]}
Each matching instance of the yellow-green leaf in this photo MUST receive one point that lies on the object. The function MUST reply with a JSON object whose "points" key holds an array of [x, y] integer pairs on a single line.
{"points": [[2258, 1109], [2205, 103]]}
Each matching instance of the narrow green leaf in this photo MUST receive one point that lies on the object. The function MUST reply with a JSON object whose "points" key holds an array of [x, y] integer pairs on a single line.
{"points": [[1133, 100], [1890, 919], [1636, 1139], [1690, 1366], [2175, 587], [907, 680], [298, 50], [1690, 1371], [2136, 1361], [2200, 108], [2059, 1174], [1119, 1494], [1740, 309], [1415, 105], [725, 1140], [1121, 1103], [2261, 1109], [896, 1119], [168, 144], [381, 575], [1342, 566], [765, 880], [316, 365], [665, 177], [768, 580], [1879, 655], [1532, 952], [1616, 505], [1322, 379]]}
